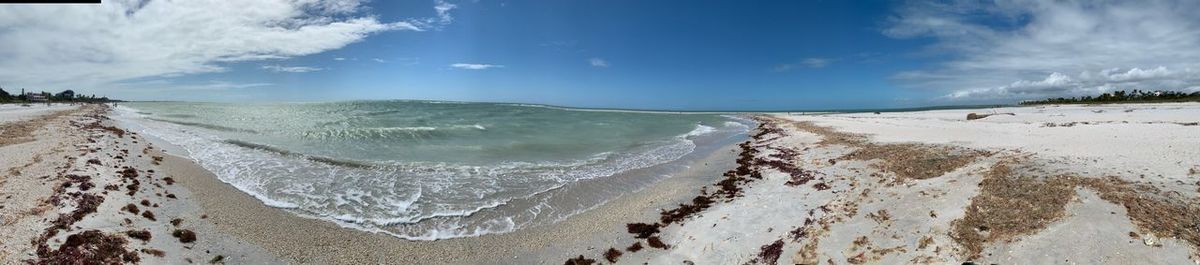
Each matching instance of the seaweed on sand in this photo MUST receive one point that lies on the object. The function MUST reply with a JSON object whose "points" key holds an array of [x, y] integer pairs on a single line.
{"points": [[612, 255], [580, 261], [154, 252], [143, 235], [88, 247], [635, 247], [1010, 205], [84, 204], [699, 204], [1151, 209], [769, 254], [916, 161], [149, 215], [656, 242], [184, 235], [131, 209], [642, 230]]}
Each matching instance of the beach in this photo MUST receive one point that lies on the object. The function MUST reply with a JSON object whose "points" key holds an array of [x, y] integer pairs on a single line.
{"points": [[1093, 184]]}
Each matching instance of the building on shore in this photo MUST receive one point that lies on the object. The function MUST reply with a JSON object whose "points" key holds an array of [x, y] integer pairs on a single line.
{"points": [[37, 97]]}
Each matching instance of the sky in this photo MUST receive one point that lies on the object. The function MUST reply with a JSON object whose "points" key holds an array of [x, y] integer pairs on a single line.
{"points": [[677, 55]]}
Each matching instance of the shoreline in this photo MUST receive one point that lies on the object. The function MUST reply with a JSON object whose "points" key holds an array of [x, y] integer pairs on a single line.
{"points": [[241, 215]]}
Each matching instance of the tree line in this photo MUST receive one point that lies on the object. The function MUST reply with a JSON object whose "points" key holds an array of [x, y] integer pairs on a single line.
{"points": [[64, 96], [1134, 96]]}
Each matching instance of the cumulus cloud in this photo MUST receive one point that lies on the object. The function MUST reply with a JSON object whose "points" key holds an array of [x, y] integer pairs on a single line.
{"points": [[597, 62], [290, 69], [67, 46], [475, 66], [1020, 49]]}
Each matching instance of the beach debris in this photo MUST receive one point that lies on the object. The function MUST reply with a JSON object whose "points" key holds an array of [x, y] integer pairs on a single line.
{"points": [[858, 259], [635, 247], [769, 254], [821, 186], [655, 242], [1154, 211], [612, 255], [880, 216], [184, 235], [217, 259], [580, 261], [176, 221], [1010, 205], [88, 247], [84, 204], [154, 252], [148, 215], [642, 230], [699, 203], [131, 209], [925, 242], [916, 161], [976, 116], [1150, 241], [143, 235]]}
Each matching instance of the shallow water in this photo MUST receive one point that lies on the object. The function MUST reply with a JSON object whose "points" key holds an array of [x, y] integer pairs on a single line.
{"points": [[431, 170]]}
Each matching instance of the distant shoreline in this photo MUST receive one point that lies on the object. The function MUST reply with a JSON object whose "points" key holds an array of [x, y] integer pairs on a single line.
{"points": [[628, 110]]}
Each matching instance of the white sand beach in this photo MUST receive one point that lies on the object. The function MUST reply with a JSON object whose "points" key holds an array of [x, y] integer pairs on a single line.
{"points": [[1089, 184], [1092, 184]]}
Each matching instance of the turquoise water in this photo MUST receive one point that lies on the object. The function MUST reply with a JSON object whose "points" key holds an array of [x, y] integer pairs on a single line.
{"points": [[430, 170]]}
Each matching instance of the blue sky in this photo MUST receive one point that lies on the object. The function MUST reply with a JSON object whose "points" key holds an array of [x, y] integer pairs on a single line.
{"points": [[695, 55]]}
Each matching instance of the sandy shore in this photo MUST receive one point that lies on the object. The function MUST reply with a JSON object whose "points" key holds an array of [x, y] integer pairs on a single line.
{"points": [[235, 228], [1111, 184], [1097, 184]]}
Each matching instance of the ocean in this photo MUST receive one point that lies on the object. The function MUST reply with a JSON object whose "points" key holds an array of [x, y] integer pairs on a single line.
{"points": [[425, 170]]}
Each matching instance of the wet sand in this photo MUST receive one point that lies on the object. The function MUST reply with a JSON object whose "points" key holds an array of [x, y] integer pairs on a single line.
{"points": [[305, 240]]}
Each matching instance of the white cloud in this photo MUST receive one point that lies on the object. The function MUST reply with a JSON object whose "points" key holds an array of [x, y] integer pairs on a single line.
{"points": [[160, 85], [815, 62], [339, 59], [290, 69], [1088, 83], [597, 62], [1019, 49], [67, 46], [378, 60], [442, 9], [812, 62], [475, 66]]}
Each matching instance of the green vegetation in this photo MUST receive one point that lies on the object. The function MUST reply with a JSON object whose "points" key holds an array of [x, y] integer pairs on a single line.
{"points": [[64, 96], [1136, 96]]}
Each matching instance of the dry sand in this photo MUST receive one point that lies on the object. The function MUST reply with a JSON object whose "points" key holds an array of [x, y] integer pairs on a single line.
{"points": [[1097, 184], [1107, 184]]}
